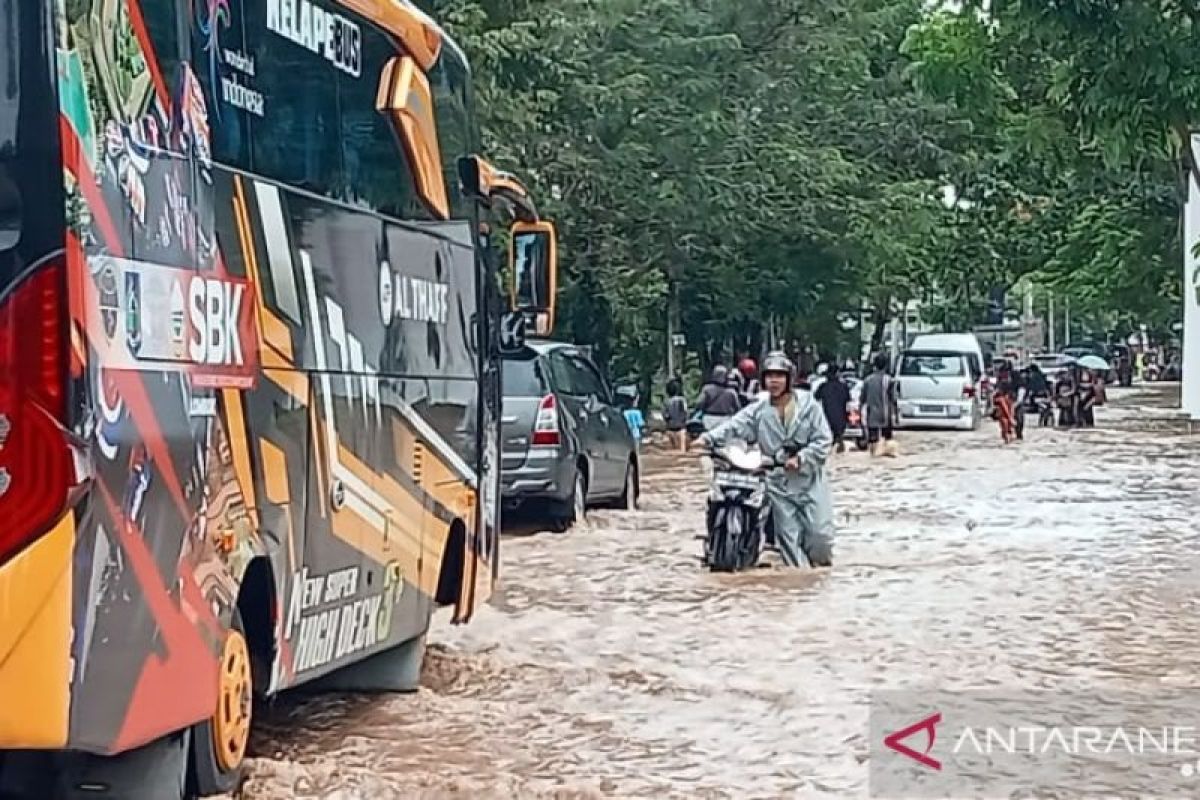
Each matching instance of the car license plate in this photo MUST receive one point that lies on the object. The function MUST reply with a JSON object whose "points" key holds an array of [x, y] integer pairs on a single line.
{"points": [[938, 410]]}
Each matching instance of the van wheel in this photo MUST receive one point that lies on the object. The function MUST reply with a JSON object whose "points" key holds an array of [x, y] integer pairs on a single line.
{"points": [[219, 743]]}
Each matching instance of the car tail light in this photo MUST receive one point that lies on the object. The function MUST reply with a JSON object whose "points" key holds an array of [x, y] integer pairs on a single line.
{"points": [[853, 416], [968, 391], [37, 465], [545, 427]]}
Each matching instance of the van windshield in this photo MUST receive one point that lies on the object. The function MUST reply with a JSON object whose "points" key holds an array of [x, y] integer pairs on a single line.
{"points": [[933, 365]]}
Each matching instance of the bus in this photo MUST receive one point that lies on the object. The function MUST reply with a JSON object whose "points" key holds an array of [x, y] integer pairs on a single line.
{"points": [[250, 338]]}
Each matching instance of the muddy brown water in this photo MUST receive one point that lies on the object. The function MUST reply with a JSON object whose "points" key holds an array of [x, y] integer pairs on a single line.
{"points": [[611, 665]]}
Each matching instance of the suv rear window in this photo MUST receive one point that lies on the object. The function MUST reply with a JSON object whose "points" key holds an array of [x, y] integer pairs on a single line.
{"points": [[523, 378], [934, 365]]}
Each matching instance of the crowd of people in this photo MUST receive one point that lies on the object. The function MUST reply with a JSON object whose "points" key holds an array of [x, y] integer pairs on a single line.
{"points": [[726, 391], [1071, 400], [807, 418]]}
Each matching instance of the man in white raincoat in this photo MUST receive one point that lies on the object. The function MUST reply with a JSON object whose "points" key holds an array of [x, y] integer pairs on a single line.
{"points": [[789, 426]]}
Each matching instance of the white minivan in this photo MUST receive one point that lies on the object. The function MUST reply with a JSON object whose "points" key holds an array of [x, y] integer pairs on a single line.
{"points": [[968, 345], [936, 389]]}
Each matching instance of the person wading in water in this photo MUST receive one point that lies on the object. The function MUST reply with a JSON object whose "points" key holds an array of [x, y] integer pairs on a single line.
{"points": [[789, 426]]}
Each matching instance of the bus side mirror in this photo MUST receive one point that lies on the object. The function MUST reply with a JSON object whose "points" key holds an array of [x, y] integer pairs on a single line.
{"points": [[533, 270]]}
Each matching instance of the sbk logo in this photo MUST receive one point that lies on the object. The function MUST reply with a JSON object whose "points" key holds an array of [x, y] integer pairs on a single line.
{"points": [[896, 741]]}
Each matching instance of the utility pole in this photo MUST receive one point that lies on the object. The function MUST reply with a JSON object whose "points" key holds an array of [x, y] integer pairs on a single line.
{"points": [[895, 337], [1031, 346], [1050, 324], [1066, 321], [670, 346], [674, 317]]}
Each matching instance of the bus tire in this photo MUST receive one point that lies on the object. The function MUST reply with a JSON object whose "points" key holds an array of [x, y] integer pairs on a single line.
{"points": [[219, 743], [395, 670]]}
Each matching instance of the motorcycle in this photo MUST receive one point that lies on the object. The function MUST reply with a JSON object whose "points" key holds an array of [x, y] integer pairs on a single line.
{"points": [[738, 514], [1045, 410], [856, 428], [699, 424]]}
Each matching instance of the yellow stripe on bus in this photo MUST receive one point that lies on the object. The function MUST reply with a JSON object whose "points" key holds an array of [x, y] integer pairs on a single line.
{"points": [[362, 536], [407, 508], [35, 642], [271, 329]]}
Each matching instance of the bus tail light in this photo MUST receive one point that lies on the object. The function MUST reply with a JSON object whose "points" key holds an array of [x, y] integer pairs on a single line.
{"points": [[545, 427], [37, 462]]}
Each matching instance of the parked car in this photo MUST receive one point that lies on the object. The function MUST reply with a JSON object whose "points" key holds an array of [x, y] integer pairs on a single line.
{"points": [[1085, 348], [937, 389], [565, 444], [1052, 365], [1078, 350]]}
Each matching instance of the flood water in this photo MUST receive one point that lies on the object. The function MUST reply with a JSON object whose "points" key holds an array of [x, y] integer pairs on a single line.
{"points": [[612, 665]]}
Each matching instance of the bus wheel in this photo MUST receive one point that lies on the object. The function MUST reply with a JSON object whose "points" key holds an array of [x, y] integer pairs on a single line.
{"points": [[219, 743]]}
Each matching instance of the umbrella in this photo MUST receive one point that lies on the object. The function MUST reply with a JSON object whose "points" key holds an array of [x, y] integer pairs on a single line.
{"points": [[1093, 362]]}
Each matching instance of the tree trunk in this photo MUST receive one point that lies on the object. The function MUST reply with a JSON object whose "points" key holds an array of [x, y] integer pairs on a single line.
{"points": [[879, 318], [755, 345]]}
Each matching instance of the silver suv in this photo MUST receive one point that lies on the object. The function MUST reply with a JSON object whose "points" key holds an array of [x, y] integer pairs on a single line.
{"points": [[566, 446]]}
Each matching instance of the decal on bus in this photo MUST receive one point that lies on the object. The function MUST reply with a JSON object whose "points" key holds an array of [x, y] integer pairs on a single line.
{"points": [[177, 320]]}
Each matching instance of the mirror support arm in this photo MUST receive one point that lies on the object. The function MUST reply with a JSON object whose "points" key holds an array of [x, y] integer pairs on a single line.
{"points": [[497, 189]]}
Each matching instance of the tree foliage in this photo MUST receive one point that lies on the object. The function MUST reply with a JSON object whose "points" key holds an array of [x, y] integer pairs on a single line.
{"points": [[1093, 100], [787, 160]]}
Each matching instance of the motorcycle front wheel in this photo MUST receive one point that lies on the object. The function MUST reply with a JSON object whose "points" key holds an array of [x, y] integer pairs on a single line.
{"points": [[724, 532]]}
